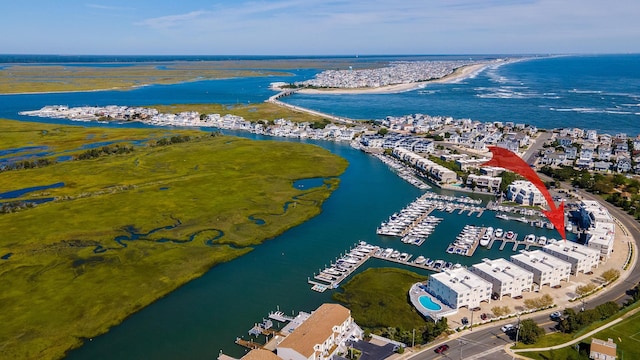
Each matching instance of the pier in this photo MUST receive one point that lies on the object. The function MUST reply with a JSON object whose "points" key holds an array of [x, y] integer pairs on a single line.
{"points": [[332, 276]]}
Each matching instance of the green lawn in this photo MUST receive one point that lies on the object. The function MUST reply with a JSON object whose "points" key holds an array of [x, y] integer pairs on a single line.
{"points": [[67, 277], [378, 298], [626, 334]]}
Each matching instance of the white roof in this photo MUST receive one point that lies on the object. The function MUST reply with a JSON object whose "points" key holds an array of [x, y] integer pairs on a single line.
{"points": [[502, 270], [541, 261], [461, 280], [572, 250]]}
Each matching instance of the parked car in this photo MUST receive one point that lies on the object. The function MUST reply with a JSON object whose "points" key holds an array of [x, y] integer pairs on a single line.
{"points": [[507, 328], [442, 348], [556, 315], [484, 316]]}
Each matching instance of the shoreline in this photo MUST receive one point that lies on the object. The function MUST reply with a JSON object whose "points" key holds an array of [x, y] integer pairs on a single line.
{"points": [[457, 75]]}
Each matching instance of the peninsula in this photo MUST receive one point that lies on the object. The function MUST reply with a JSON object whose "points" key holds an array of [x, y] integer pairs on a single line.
{"points": [[397, 77]]}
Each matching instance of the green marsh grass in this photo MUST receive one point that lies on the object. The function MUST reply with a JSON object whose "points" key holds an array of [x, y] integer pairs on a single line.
{"points": [[57, 290]]}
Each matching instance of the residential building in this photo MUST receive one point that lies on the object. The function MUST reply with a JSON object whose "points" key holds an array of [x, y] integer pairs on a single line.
{"points": [[435, 171], [321, 335], [459, 287], [582, 258], [598, 226], [490, 183], [506, 277], [546, 269], [602, 350], [525, 193]]}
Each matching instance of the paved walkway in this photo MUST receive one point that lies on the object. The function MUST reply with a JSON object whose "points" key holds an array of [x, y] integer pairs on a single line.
{"points": [[513, 352]]}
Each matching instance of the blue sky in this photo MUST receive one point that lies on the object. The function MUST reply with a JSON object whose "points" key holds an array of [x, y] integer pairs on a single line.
{"points": [[319, 27]]}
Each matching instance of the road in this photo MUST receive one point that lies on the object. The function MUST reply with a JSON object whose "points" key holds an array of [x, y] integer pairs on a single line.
{"points": [[489, 342]]}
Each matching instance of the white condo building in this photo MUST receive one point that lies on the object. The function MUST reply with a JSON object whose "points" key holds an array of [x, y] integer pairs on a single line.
{"points": [[459, 287], [582, 258], [435, 171], [525, 193], [506, 277], [546, 269], [599, 227]]}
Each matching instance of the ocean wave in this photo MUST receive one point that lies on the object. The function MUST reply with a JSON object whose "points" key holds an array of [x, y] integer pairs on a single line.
{"points": [[582, 110], [576, 91], [512, 92]]}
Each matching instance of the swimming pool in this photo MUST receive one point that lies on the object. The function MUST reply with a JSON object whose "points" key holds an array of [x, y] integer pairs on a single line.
{"points": [[428, 303]]}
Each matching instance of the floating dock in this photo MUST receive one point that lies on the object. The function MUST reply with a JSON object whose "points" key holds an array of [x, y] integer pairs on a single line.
{"points": [[332, 276]]}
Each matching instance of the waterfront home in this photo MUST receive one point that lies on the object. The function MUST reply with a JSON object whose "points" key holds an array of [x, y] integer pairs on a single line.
{"points": [[459, 287], [489, 183], [582, 258], [546, 269], [321, 336], [525, 193], [506, 277], [598, 226], [435, 171]]}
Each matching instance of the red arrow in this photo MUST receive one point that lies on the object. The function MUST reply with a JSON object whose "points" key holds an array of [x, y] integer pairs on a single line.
{"points": [[511, 161]]}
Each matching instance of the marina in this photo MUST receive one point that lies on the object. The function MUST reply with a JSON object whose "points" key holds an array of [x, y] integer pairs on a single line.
{"points": [[332, 276], [414, 223]]}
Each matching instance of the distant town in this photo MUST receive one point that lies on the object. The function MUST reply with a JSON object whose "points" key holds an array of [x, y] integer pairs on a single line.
{"points": [[402, 72]]}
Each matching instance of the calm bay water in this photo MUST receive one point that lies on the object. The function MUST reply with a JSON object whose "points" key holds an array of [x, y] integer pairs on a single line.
{"points": [[207, 314]]}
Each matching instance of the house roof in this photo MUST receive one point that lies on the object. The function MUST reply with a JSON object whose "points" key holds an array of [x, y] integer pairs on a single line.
{"points": [[260, 354], [604, 347], [316, 329]]}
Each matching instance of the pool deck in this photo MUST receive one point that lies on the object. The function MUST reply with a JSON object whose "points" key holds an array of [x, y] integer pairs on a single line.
{"points": [[418, 291]]}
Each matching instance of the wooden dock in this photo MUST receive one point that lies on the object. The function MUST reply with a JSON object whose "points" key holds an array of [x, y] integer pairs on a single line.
{"points": [[328, 281]]}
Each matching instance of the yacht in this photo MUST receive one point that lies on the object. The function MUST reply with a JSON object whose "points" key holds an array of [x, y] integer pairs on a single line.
{"points": [[499, 232], [485, 241]]}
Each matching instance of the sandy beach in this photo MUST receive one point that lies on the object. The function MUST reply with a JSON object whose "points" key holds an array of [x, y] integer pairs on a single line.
{"points": [[458, 74]]}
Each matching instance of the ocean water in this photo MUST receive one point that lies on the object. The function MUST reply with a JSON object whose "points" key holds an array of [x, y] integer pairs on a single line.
{"points": [[205, 316], [593, 92]]}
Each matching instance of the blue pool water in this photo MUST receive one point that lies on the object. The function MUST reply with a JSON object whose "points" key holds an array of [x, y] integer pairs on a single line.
{"points": [[429, 304]]}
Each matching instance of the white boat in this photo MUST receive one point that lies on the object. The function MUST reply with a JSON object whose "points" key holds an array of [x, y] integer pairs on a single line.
{"points": [[420, 259], [502, 216], [484, 241], [499, 232], [569, 227], [530, 238]]}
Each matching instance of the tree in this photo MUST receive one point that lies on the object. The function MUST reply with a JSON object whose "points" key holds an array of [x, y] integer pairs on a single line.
{"points": [[610, 275], [607, 309], [569, 323], [383, 131], [530, 332]]}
